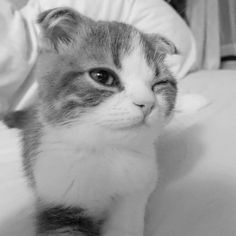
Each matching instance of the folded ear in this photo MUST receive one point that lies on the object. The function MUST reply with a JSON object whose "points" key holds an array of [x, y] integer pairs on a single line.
{"points": [[163, 45], [167, 51], [60, 25]]}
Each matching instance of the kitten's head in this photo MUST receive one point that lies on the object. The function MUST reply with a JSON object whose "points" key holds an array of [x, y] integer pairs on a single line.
{"points": [[102, 81]]}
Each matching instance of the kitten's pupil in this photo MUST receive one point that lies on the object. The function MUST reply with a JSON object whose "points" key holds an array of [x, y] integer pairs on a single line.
{"points": [[103, 77]]}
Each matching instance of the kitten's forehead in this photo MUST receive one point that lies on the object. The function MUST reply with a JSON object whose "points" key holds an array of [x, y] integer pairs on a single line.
{"points": [[135, 66], [121, 41], [112, 42], [106, 43]]}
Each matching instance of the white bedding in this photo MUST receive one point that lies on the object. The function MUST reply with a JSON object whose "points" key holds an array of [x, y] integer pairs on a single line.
{"points": [[196, 195]]}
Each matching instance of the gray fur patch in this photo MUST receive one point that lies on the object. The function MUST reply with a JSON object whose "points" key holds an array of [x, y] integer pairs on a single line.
{"points": [[31, 133], [71, 221], [60, 25], [169, 88], [31, 142], [17, 119], [88, 95], [120, 41], [57, 105], [169, 92], [155, 49]]}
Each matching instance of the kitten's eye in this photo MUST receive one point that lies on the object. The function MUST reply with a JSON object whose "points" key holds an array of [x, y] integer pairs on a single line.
{"points": [[104, 77], [162, 83], [159, 84]]}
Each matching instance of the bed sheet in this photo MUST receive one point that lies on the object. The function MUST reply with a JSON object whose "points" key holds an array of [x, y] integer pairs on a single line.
{"points": [[196, 194]]}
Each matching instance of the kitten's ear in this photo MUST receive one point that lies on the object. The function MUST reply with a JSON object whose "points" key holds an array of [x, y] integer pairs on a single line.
{"points": [[167, 50], [59, 25], [163, 45]]}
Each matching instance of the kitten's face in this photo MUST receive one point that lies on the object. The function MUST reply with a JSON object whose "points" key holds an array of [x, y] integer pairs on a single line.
{"points": [[103, 78]]}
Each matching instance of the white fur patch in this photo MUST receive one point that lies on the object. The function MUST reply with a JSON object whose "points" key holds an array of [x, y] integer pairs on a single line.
{"points": [[70, 175], [137, 76]]}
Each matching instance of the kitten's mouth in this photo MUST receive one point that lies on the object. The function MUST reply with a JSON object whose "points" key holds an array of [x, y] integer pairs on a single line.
{"points": [[143, 123], [137, 125]]}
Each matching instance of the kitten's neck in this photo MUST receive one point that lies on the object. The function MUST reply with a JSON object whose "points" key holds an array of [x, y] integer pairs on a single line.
{"points": [[108, 172]]}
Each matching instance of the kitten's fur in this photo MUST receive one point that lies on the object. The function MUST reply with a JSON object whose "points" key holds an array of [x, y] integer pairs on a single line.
{"points": [[88, 140]]}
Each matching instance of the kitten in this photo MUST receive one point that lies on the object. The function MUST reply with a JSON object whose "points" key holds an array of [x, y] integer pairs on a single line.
{"points": [[88, 142]]}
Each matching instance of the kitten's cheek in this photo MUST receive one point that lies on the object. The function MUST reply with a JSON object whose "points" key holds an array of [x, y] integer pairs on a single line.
{"points": [[157, 116], [153, 117]]}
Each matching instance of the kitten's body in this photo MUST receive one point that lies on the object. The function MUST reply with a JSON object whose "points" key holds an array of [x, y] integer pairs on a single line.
{"points": [[88, 145]]}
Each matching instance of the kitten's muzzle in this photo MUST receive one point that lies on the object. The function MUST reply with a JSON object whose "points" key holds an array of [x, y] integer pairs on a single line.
{"points": [[146, 107]]}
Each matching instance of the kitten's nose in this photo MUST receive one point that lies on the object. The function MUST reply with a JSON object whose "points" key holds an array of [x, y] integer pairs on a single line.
{"points": [[146, 107]]}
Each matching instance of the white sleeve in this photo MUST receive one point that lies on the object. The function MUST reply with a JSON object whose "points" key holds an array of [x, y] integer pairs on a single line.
{"points": [[17, 53]]}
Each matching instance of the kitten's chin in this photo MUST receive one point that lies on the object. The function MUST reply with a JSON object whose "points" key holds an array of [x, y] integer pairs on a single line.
{"points": [[128, 126], [137, 132], [138, 124], [123, 124]]}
